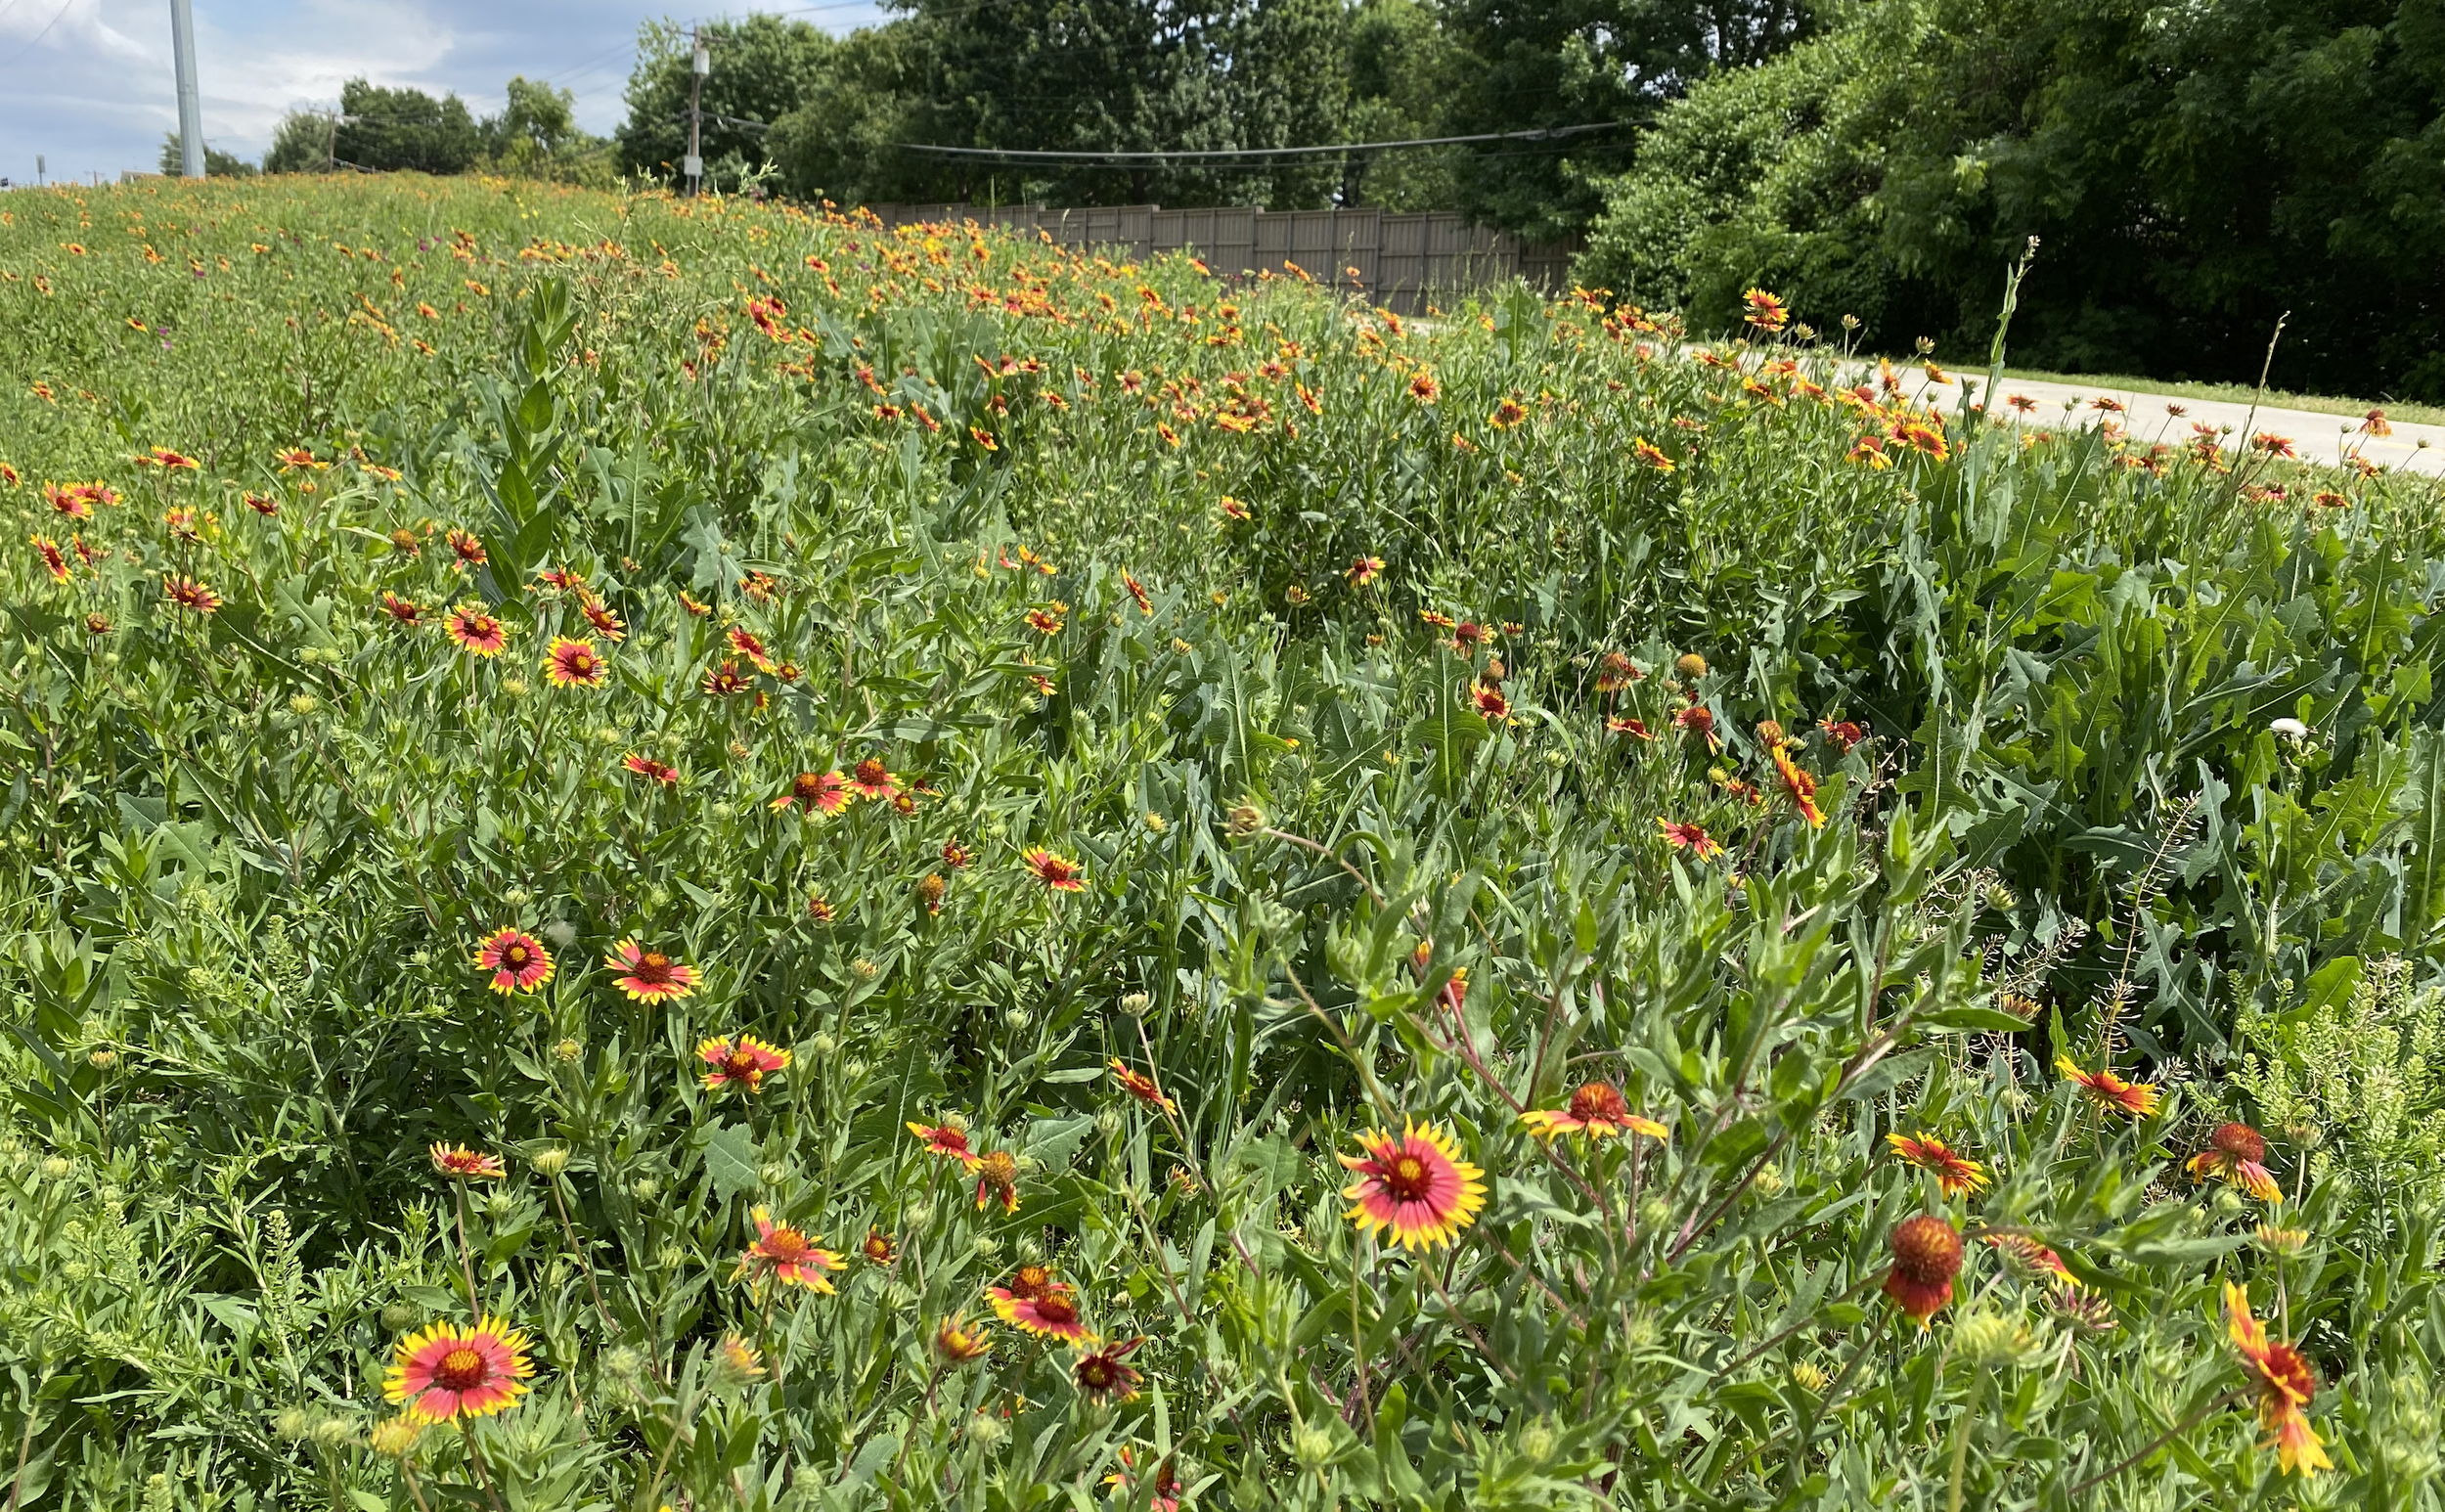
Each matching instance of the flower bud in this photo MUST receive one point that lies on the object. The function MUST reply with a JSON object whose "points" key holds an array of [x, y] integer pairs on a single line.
{"points": [[334, 1432], [568, 1051], [1690, 666], [548, 1163], [293, 1423], [1135, 1004], [398, 1318], [988, 1432], [396, 1435], [1246, 819], [1313, 1447], [103, 1060], [1016, 1020], [644, 1188]]}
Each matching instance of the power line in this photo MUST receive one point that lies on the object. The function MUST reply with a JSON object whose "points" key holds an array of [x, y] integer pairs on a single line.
{"points": [[44, 32], [1041, 154]]}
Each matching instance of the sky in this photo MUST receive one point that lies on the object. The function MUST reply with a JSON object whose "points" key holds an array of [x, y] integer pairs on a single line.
{"points": [[90, 84]]}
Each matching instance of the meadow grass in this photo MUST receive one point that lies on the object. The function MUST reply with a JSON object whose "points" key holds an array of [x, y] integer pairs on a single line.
{"points": [[691, 854]]}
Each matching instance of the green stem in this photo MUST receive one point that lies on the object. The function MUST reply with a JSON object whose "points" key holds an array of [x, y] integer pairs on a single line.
{"points": [[1961, 1439]]}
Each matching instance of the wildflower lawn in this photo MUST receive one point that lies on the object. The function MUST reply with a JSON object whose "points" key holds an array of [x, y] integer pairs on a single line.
{"points": [[693, 855]]}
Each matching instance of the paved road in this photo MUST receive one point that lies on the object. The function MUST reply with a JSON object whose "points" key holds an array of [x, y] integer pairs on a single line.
{"points": [[2315, 437]]}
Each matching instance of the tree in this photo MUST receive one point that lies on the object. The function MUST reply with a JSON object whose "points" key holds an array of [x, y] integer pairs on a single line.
{"points": [[300, 143], [216, 163], [843, 142], [1536, 64], [394, 129], [1401, 69], [1134, 77], [763, 68], [537, 118], [2193, 174]]}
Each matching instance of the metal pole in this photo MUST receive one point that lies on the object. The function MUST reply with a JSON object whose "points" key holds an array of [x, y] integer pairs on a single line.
{"points": [[700, 65], [190, 104]]}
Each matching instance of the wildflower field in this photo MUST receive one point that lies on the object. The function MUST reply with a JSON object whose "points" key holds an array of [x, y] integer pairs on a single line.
{"points": [[668, 854]]}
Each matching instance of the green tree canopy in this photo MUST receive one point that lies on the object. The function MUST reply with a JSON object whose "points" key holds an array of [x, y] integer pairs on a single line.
{"points": [[217, 165], [764, 66], [1534, 64], [2193, 174], [386, 129]]}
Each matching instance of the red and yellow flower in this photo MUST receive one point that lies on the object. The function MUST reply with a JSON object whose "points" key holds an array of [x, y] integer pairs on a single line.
{"points": [[958, 1342], [187, 594], [1103, 1377], [1598, 1110], [1692, 838], [877, 1247], [461, 1164], [749, 646], [1415, 1187], [1140, 1087], [2237, 1153], [2110, 1091], [1955, 1172], [1801, 786], [948, 1140], [476, 631], [516, 959], [740, 1060], [446, 1371], [573, 663], [871, 779], [648, 976], [54, 560], [1764, 311], [1041, 1306], [1058, 872], [651, 770], [787, 1255], [2284, 1381], [1926, 1256], [813, 793], [997, 1180]]}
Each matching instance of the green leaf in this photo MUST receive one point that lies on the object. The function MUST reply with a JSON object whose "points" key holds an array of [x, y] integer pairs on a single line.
{"points": [[732, 1160]]}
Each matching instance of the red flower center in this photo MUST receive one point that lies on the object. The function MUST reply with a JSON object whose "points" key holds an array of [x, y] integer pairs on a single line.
{"points": [[786, 1245], [741, 1064], [1056, 1310], [1406, 1177], [2240, 1142], [462, 1369], [1031, 1281], [1598, 1102], [807, 788], [1097, 1373], [1926, 1250], [652, 966], [873, 773], [513, 956], [2290, 1378]]}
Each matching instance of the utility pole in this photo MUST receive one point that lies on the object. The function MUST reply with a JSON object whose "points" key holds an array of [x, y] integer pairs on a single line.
{"points": [[190, 103], [700, 65], [330, 142]]}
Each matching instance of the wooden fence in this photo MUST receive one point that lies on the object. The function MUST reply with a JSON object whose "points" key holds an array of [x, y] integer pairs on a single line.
{"points": [[1401, 263]]}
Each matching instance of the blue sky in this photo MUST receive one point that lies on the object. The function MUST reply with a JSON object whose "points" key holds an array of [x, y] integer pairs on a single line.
{"points": [[88, 83]]}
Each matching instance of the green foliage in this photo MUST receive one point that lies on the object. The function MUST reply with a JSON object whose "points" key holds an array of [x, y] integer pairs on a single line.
{"points": [[764, 66], [955, 505], [1532, 65], [2192, 173], [389, 130], [2359, 1060], [216, 163]]}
